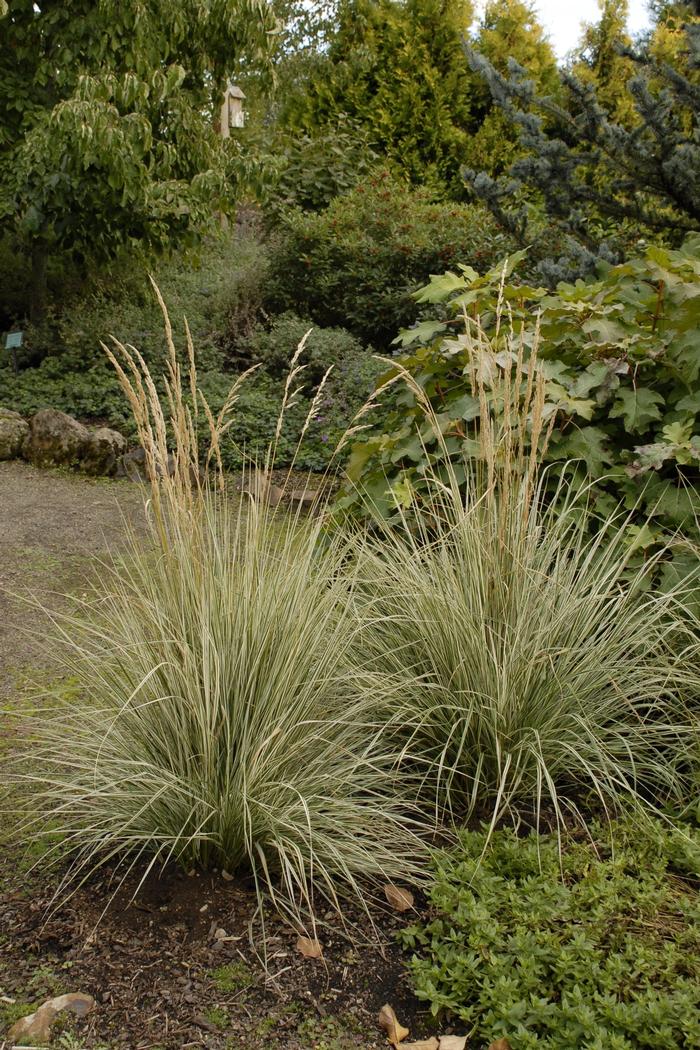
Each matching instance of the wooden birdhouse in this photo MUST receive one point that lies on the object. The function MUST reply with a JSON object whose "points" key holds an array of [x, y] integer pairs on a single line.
{"points": [[232, 115]]}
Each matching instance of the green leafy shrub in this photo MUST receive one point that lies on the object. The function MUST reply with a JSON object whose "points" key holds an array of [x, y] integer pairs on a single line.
{"points": [[589, 947], [356, 264], [257, 412], [313, 169], [349, 385], [275, 346], [622, 359]]}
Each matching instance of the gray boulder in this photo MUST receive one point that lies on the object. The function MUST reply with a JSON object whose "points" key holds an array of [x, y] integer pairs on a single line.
{"points": [[55, 438], [103, 451], [13, 431], [132, 465]]}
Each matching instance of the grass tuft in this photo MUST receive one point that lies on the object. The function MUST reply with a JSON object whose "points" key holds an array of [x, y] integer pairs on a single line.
{"points": [[221, 715], [541, 677]]}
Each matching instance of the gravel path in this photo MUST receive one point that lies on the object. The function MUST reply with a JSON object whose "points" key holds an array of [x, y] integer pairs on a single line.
{"points": [[52, 525]]}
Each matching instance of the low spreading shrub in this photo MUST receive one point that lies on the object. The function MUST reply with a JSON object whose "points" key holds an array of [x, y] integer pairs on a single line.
{"points": [[274, 346], [589, 947], [356, 264], [346, 388], [257, 412], [91, 394], [94, 393]]}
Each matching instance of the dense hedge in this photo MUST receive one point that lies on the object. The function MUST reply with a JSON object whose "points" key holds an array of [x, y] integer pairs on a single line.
{"points": [[357, 263]]}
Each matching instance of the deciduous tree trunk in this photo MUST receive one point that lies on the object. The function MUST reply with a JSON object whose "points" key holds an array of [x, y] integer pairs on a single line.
{"points": [[37, 291]]}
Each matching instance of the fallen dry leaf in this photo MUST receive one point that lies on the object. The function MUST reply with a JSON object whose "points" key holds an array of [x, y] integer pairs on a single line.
{"points": [[400, 900], [500, 1044], [388, 1020], [422, 1044], [452, 1042], [309, 947]]}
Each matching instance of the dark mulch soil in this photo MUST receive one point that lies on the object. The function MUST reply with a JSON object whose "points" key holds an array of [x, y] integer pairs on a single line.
{"points": [[161, 977]]}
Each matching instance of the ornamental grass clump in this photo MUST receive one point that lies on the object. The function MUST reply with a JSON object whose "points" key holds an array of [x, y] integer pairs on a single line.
{"points": [[219, 714], [541, 676]]}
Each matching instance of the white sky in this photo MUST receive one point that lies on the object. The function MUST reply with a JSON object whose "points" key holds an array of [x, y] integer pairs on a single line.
{"points": [[562, 20]]}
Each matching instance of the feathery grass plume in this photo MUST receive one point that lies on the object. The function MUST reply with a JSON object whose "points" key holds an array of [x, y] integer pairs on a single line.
{"points": [[222, 715], [537, 670]]}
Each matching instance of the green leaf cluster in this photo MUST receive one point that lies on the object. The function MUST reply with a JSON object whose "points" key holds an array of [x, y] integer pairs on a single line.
{"points": [[590, 947], [356, 264], [621, 354], [313, 169]]}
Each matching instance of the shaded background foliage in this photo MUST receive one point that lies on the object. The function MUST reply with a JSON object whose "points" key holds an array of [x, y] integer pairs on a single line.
{"points": [[349, 196]]}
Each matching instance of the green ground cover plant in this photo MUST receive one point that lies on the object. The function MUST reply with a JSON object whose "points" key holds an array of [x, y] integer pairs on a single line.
{"points": [[221, 299], [596, 945]]}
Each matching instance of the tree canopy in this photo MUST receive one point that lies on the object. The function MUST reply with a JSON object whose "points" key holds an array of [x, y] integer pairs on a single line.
{"points": [[508, 31], [601, 62], [596, 171], [398, 68], [107, 114]]}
